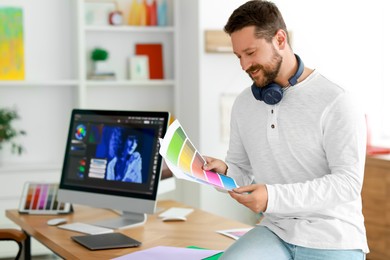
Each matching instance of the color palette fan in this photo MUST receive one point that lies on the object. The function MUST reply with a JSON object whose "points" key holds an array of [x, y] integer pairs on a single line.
{"points": [[185, 161]]}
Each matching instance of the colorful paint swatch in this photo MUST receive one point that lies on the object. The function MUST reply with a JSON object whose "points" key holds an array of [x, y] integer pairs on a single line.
{"points": [[175, 145], [185, 162], [11, 44], [197, 164], [213, 178], [41, 198], [228, 182], [186, 155]]}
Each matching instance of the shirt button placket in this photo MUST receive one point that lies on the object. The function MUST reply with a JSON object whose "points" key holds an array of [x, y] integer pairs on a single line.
{"points": [[272, 132]]}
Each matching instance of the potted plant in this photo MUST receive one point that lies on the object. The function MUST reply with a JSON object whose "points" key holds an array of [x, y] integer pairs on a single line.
{"points": [[101, 69], [7, 131]]}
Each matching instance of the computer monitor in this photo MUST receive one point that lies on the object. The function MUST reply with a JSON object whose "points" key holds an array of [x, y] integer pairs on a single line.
{"points": [[112, 161]]}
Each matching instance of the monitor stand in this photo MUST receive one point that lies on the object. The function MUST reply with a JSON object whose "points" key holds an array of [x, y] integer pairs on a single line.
{"points": [[126, 220]]}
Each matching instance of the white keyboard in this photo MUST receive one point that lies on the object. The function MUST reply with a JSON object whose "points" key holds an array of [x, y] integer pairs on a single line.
{"points": [[86, 228]]}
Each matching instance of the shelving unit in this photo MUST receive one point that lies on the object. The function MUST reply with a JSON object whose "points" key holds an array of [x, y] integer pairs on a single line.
{"points": [[120, 43], [61, 42], [128, 28], [60, 82], [38, 83], [145, 83]]}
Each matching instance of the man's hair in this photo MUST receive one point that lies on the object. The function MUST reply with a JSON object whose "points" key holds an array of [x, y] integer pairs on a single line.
{"points": [[264, 15]]}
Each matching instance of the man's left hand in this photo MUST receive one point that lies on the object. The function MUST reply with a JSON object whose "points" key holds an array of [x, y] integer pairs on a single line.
{"points": [[254, 197]]}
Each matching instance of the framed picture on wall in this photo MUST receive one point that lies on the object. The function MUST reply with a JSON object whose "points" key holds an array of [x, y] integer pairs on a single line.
{"points": [[12, 66]]}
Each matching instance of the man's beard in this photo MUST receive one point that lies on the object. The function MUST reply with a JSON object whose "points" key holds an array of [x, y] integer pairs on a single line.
{"points": [[270, 72]]}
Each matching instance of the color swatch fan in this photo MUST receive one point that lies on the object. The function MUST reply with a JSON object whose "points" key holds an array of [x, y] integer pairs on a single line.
{"points": [[185, 161]]}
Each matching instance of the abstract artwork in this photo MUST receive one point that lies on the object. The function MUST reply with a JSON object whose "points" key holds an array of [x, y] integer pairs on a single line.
{"points": [[11, 44]]}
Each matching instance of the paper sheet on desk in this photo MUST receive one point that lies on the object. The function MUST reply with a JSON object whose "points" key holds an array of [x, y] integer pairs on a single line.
{"points": [[185, 162], [169, 253]]}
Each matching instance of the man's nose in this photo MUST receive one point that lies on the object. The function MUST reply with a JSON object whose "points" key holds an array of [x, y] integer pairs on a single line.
{"points": [[245, 64]]}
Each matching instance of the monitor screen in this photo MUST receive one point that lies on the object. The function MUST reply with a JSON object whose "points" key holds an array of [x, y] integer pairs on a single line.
{"points": [[112, 161]]}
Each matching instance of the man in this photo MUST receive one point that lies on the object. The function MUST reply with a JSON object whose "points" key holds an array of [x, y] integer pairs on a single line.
{"points": [[297, 149]]}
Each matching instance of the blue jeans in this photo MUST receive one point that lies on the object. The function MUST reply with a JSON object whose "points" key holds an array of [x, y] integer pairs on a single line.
{"points": [[262, 243]]}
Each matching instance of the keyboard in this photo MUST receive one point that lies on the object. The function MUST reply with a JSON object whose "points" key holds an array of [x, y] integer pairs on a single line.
{"points": [[86, 228]]}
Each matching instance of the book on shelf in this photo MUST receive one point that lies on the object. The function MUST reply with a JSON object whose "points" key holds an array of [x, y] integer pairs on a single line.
{"points": [[155, 58], [102, 76]]}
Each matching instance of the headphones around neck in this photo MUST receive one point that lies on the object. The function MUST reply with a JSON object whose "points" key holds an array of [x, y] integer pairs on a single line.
{"points": [[273, 93]]}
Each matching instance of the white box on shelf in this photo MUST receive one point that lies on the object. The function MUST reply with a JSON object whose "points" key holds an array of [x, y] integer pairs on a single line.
{"points": [[97, 13]]}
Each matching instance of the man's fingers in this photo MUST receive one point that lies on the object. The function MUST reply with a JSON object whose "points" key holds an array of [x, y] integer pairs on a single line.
{"points": [[245, 189], [207, 159], [208, 166]]}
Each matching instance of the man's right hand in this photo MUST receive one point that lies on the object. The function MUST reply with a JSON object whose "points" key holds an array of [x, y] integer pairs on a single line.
{"points": [[215, 165]]}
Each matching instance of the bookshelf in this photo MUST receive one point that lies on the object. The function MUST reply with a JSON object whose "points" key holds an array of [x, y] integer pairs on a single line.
{"points": [[57, 45], [120, 42], [59, 81]]}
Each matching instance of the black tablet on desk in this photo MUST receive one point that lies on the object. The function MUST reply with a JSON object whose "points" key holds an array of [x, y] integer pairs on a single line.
{"points": [[106, 241]]}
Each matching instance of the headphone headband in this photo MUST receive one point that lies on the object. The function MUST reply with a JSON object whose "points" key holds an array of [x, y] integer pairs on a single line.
{"points": [[294, 79]]}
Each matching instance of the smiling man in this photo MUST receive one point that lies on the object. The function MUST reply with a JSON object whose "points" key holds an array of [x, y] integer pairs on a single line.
{"points": [[297, 149]]}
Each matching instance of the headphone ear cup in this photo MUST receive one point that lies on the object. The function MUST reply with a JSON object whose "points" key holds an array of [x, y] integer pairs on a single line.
{"points": [[272, 94], [256, 92]]}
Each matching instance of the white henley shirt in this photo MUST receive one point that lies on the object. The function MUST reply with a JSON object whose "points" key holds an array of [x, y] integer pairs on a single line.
{"points": [[309, 150]]}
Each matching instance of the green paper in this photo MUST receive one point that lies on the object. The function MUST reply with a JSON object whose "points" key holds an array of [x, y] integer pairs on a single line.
{"points": [[213, 257]]}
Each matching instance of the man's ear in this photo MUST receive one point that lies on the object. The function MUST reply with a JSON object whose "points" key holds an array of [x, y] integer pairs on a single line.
{"points": [[281, 39]]}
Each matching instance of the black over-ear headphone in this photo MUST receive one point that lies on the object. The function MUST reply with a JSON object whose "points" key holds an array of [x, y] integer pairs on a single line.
{"points": [[273, 93]]}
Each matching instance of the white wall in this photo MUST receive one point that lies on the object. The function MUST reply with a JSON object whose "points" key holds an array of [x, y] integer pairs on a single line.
{"points": [[220, 73], [340, 39], [48, 47], [344, 41]]}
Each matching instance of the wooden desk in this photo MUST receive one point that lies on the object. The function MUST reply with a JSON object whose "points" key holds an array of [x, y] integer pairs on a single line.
{"points": [[198, 230], [376, 206]]}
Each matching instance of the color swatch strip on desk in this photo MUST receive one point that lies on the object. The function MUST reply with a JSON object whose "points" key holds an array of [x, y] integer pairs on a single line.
{"points": [[178, 150], [41, 197]]}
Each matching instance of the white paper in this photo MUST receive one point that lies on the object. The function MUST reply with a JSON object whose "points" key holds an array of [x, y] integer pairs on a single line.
{"points": [[176, 212]]}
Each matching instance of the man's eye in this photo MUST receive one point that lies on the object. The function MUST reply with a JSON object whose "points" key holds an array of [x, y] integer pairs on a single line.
{"points": [[250, 53]]}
